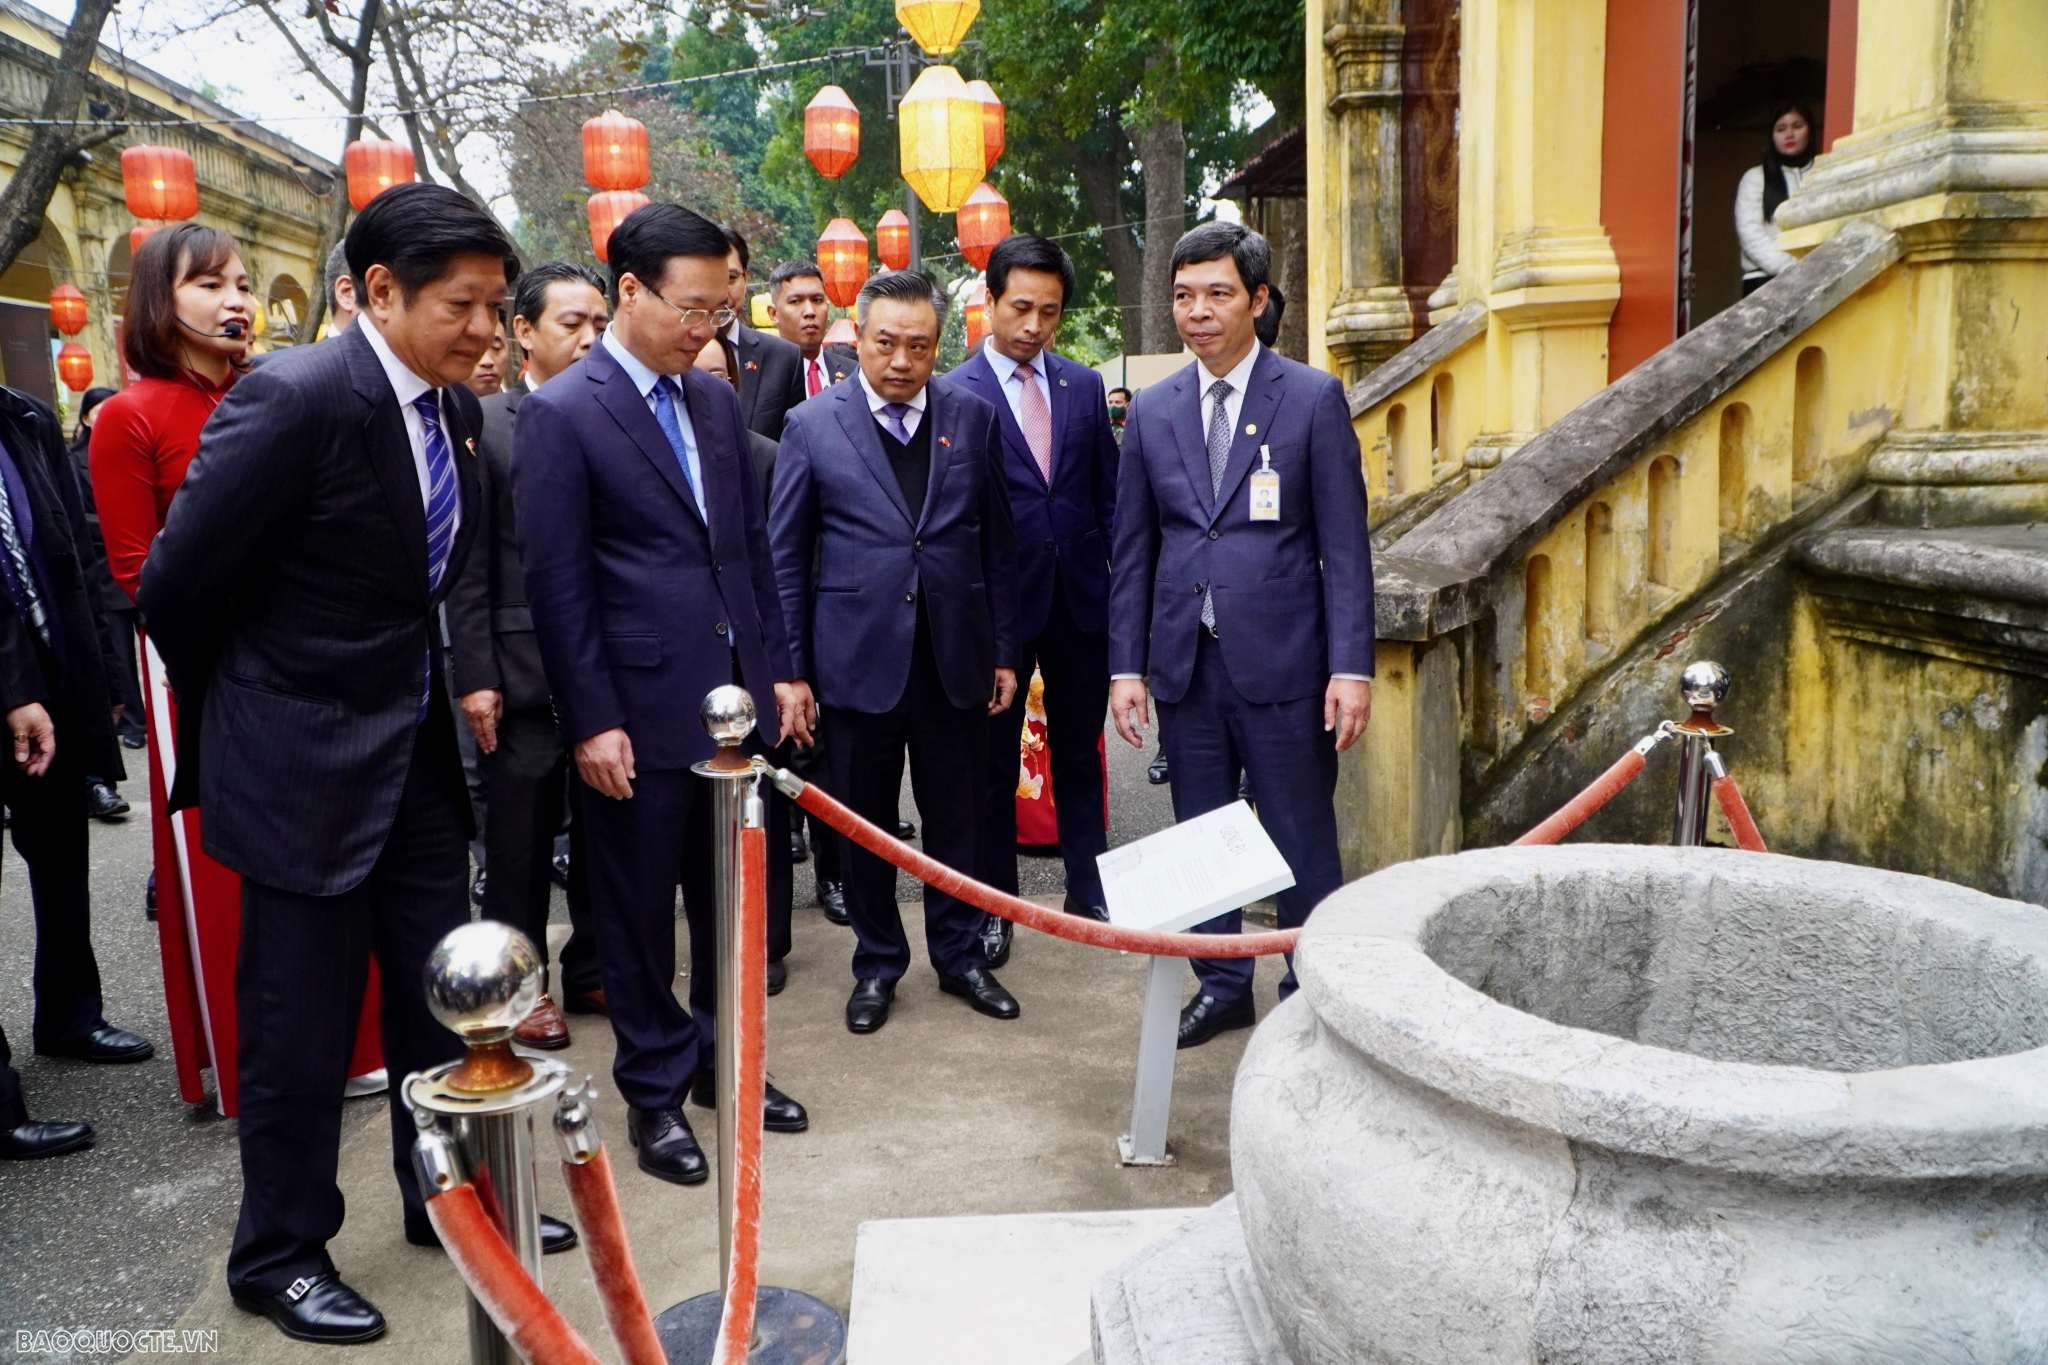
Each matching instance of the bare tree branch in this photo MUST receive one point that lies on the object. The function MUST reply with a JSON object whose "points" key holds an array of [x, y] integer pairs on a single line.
{"points": [[51, 146]]}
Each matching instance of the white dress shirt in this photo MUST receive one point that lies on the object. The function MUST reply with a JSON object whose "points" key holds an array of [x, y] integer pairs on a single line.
{"points": [[915, 402], [644, 380], [408, 387], [1013, 383]]}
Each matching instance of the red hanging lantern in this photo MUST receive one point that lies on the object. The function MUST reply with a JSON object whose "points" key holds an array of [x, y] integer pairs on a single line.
{"points": [[892, 239], [831, 132], [842, 333], [139, 234], [607, 210], [982, 221], [74, 367], [843, 260], [976, 314], [615, 152], [991, 123], [374, 166], [67, 309], [159, 182]]}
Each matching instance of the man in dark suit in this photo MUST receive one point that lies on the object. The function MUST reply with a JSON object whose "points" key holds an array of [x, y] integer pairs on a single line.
{"points": [[559, 310], [293, 594], [1243, 587], [797, 303], [894, 555], [771, 370], [648, 573], [1059, 466], [53, 687]]}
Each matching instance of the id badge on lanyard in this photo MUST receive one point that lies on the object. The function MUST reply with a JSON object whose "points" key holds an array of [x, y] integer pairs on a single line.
{"points": [[1264, 487]]}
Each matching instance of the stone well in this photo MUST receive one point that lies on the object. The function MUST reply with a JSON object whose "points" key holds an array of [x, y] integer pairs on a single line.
{"points": [[1653, 1106]]}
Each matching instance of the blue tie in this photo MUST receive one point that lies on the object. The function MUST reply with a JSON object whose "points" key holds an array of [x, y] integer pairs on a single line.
{"points": [[443, 497], [665, 415]]}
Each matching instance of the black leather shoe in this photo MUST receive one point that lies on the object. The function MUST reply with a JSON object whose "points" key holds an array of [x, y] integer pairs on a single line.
{"points": [[978, 987], [799, 848], [555, 1235], [779, 1113], [867, 1009], [585, 1002], [1157, 774], [104, 1044], [33, 1138], [995, 940], [904, 829], [778, 977], [317, 1308], [1205, 1016], [149, 897], [832, 897], [134, 739], [102, 802], [476, 888], [558, 870], [1074, 905], [668, 1149]]}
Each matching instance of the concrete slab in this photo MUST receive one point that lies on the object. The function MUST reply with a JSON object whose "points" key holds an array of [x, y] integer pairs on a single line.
{"points": [[1007, 1290]]}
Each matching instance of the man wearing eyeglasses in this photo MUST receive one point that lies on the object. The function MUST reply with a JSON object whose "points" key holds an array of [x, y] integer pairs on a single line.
{"points": [[648, 574]]}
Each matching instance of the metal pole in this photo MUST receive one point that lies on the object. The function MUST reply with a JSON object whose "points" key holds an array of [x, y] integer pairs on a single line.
{"points": [[1152, 1095], [1704, 685], [735, 805], [916, 236]]}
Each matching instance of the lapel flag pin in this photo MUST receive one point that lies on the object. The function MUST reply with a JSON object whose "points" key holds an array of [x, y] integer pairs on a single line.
{"points": [[946, 441], [753, 364]]}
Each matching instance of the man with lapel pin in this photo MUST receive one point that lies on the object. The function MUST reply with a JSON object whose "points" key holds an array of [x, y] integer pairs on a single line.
{"points": [[1059, 464], [894, 558], [649, 578], [771, 370], [1242, 591]]}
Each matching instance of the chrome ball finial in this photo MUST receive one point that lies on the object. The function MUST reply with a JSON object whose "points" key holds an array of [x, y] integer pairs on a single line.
{"points": [[481, 980], [728, 715], [1704, 684]]}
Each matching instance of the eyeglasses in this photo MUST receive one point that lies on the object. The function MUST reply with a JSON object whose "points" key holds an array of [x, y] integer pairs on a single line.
{"points": [[720, 318]]}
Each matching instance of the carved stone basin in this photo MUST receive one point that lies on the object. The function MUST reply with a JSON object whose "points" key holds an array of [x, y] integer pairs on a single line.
{"points": [[1653, 1106]]}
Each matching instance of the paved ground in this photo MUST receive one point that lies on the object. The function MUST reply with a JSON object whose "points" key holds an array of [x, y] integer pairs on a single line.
{"points": [[942, 1112]]}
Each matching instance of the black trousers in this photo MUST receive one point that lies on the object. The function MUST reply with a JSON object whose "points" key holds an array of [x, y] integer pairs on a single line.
{"points": [[526, 787], [50, 832], [126, 684], [828, 849], [948, 748], [298, 989], [13, 1110]]}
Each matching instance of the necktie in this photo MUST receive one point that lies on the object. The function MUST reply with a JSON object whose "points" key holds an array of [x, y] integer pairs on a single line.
{"points": [[443, 497], [665, 415], [892, 418], [1219, 456], [22, 577], [814, 378], [1036, 419]]}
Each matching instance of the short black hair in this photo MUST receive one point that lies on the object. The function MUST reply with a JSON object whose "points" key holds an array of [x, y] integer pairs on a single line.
{"points": [[652, 234], [735, 242], [1213, 241], [1122, 390], [414, 230], [337, 266], [791, 270], [530, 294], [908, 286], [1266, 326], [1029, 251]]}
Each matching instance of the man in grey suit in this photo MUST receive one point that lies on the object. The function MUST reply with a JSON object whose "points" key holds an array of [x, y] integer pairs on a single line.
{"points": [[558, 312], [771, 370]]}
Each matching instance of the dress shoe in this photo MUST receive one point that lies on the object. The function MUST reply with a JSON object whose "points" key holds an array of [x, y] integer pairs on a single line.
{"points": [[558, 869], [104, 1044], [476, 888], [668, 1149], [585, 1002], [555, 1236], [102, 802], [799, 848], [149, 897], [543, 1027], [867, 1009], [778, 977], [32, 1138], [904, 829], [779, 1113], [979, 988], [134, 739], [1205, 1016], [1156, 774], [995, 940], [832, 897], [317, 1308], [1074, 905]]}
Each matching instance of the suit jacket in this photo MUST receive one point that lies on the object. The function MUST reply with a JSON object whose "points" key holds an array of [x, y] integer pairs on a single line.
{"points": [[490, 624], [1293, 596], [640, 610], [1063, 527], [92, 542], [837, 507], [771, 380], [288, 596]]}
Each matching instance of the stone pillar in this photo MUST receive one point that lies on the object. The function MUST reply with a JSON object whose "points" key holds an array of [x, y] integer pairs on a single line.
{"points": [[1369, 319]]}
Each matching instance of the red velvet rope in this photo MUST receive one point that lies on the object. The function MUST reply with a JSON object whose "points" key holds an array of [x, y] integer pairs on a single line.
{"points": [[535, 1327], [1739, 819], [750, 1079], [1072, 928], [1582, 807], [596, 1200]]}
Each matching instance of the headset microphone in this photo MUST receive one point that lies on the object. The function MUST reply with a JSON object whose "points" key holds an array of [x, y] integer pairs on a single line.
{"points": [[234, 329]]}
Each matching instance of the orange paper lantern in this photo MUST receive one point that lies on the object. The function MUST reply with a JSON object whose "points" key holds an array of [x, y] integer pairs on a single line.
{"points": [[74, 367], [843, 260], [842, 333], [137, 235], [374, 166], [976, 314], [607, 210], [831, 132], [615, 152], [67, 309], [983, 221], [159, 182], [892, 239], [991, 122]]}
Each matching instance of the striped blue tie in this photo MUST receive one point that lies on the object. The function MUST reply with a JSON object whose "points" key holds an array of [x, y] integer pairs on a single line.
{"points": [[443, 498]]}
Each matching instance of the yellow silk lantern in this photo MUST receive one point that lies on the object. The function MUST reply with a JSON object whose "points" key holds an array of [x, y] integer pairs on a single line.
{"points": [[937, 25], [940, 125], [757, 311]]}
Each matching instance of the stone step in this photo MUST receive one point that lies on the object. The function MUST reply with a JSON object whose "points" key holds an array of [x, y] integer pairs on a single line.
{"points": [[1189, 1299]]}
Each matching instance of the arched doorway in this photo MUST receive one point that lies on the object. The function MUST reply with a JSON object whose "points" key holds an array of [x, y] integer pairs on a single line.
{"points": [[27, 341], [284, 303]]}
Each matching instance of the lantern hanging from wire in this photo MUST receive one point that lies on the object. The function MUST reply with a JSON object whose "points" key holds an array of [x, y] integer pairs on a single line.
{"points": [[615, 152], [975, 313], [983, 221], [139, 234], [937, 25], [607, 209], [67, 309], [843, 260], [831, 132], [842, 333], [892, 239], [374, 166], [74, 367], [939, 124], [991, 123], [159, 182]]}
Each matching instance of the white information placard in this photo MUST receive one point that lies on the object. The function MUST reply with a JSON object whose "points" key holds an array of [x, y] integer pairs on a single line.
{"points": [[1193, 871]]}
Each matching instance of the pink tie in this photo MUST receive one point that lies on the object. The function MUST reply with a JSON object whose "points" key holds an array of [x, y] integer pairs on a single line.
{"points": [[1037, 423], [814, 382]]}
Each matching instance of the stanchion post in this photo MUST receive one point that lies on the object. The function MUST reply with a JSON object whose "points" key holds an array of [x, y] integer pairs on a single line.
{"points": [[1705, 686], [1158, 1043]]}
